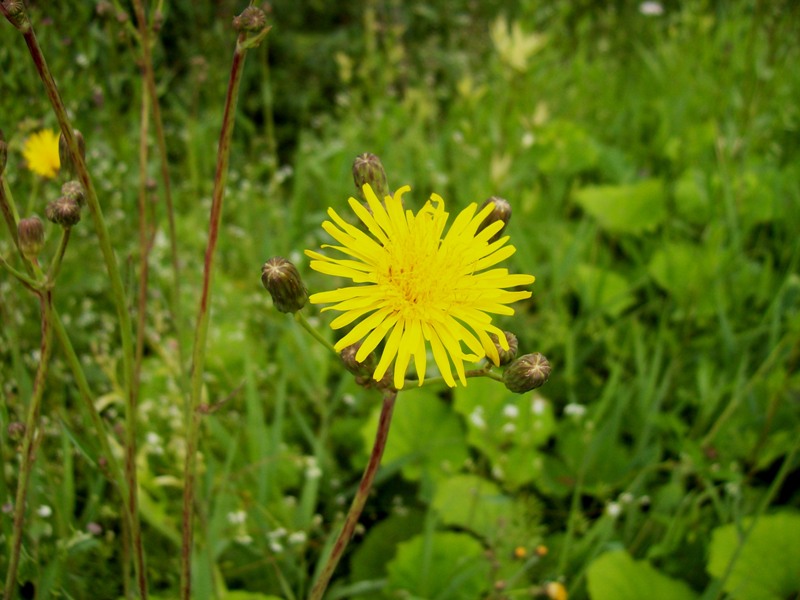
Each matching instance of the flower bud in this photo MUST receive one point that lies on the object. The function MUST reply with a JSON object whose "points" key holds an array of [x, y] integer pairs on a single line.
{"points": [[74, 191], [16, 15], [3, 153], [367, 168], [527, 373], [64, 154], [501, 212], [506, 356], [64, 211], [251, 19], [555, 590], [31, 236], [282, 281], [363, 369]]}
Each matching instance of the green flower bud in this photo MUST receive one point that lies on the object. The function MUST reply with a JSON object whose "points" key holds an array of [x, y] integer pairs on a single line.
{"points": [[282, 281], [501, 212], [64, 211], [251, 19], [527, 373], [367, 168], [64, 154], [14, 11], [74, 191], [506, 356], [31, 237]]}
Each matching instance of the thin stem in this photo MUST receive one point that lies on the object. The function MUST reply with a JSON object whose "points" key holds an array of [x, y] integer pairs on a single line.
{"points": [[360, 498], [29, 442], [300, 318], [117, 292], [55, 264], [483, 372], [203, 313]]}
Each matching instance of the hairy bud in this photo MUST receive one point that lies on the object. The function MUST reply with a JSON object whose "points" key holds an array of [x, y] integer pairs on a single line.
{"points": [[64, 211], [363, 369], [31, 236], [367, 168], [74, 191], [506, 356], [527, 373], [501, 212], [251, 19], [282, 281]]}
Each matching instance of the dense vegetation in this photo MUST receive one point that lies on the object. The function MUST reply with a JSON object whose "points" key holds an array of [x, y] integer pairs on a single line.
{"points": [[651, 155]]}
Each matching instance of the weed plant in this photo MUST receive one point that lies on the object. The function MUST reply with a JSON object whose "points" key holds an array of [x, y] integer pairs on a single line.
{"points": [[651, 155]]}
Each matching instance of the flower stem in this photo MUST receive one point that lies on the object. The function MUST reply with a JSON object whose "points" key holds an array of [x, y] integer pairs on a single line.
{"points": [[201, 330], [117, 292], [300, 318], [360, 498], [29, 442]]}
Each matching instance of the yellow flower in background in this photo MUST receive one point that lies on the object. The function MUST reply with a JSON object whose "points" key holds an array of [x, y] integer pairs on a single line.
{"points": [[417, 286], [41, 153]]}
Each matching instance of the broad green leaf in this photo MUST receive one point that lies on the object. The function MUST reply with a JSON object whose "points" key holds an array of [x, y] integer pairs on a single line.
{"points": [[440, 566], [691, 197], [426, 436], [616, 576], [603, 290], [379, 546], [632, 208], [767, 566], [506, 427], [473, 503], [686, 272]]}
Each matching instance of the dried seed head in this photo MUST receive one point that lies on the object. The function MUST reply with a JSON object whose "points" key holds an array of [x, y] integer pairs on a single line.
{"points": [[506, 356], [284, 284], [501, 212], [367, 168], [64, 154], [64, 211], [31, 236], [527, 373], [74, 191], [252, 19]]}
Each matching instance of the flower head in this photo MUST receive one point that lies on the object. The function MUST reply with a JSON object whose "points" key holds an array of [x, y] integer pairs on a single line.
{"points": [[417, 286], [41, 153]]}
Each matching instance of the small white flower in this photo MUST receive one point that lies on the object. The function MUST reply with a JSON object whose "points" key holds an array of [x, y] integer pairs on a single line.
{"points": [[511, 411], [476, 418], [276, 547], [528, 139], [44, 511], [244, 539], [297, 537], [613, 509], [626, 498], [574, 409], [651, 9], [276, 534], [538, 406], [237, 517], [312, 468], [509, 428]]}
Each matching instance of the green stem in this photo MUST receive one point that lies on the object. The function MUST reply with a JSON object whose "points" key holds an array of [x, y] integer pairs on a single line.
{"points": [[300, 318], [203, 313], [117, 292], [360, 498], [29, 442], [55, 264]]}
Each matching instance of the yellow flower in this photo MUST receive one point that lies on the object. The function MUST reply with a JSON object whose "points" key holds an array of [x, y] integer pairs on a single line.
{"points": [[417, 286], [41, 153]]}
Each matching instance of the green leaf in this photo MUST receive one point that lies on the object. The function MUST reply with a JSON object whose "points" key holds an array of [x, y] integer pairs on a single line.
{"points": [[632, 208], [473, 503], [506, 427], [380, 545], [603, 290], [691, 197], [425, 437], [686, 271], [766, 567], [616, 576], [440, 566]]}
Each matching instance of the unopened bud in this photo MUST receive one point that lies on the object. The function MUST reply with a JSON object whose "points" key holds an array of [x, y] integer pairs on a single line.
{"points": [[283, 283], [501, 212], [555, 590], [74, 191], [64, 211], [3, 153], [367, 168], [506, 356], [363, 369], [31, 237], [16, 15], [65, 156], [526, 373], [251, 19]]}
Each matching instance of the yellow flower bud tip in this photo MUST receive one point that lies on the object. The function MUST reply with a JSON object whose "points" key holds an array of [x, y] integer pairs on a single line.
{"points": [[520, 552], [541, 550], [508, 354], [282, 280], [251, 19], [501, 212], [64, 211], [64, 154], [74, 191], [527, 373], [555, 590], [31, 236], [368, 169]]}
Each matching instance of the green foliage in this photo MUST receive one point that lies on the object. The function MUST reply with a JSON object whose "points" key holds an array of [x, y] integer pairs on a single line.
{"points": [[616, 575]]}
